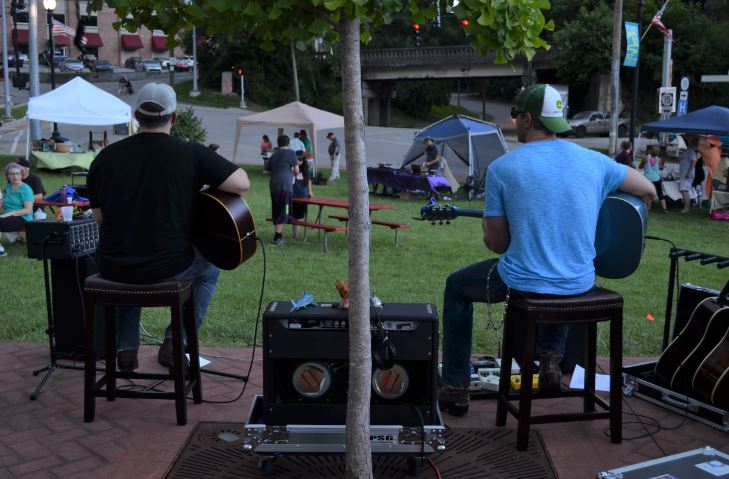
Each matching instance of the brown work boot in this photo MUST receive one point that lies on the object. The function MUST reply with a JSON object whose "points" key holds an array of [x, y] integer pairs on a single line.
{"points": [[550, 374], [453, 400], [127, 361]]}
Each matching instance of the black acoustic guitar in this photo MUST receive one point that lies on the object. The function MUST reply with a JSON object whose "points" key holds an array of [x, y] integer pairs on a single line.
{"points": [[696, 360], [223, 229], [620, 236]]}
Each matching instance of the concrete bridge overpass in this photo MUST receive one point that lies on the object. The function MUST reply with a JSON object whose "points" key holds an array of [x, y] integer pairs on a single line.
{"points": [[381, 68]]}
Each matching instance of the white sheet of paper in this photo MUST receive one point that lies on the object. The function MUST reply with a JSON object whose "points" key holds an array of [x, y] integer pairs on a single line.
{"points": [[203, 362], [602, 381]]}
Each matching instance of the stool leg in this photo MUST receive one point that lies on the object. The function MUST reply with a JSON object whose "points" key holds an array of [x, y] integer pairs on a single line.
{"points": [[616, 374], [188, 312], [110, 321], [178, 363], [507, 354], [590, 360], [525, 392], [90, 363]]}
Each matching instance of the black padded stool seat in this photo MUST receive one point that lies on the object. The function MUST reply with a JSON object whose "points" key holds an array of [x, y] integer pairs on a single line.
{"points": [[174, 294], [594, 306]]}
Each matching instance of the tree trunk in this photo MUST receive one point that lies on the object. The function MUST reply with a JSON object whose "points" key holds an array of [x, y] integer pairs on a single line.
{"points": [[359, 457]]}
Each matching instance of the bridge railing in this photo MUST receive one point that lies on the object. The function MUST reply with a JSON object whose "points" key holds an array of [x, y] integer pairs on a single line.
{"points": [[463, 54]]}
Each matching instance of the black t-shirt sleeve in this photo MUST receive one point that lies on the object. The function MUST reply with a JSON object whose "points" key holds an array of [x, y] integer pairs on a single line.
{"points": [[35, 184], [212, 168]]}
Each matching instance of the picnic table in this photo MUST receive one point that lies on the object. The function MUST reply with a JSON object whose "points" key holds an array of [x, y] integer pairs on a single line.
{"points": [[341, 204]]}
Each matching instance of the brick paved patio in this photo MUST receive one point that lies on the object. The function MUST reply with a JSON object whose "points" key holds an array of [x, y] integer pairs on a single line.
{"points": [[137, 439]]}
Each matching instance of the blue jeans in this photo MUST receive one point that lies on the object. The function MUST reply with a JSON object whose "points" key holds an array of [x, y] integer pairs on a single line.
{"points": [[463, 288], [204, 277]]}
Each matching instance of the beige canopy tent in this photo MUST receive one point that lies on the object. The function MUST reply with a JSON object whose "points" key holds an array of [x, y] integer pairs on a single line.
{"points": [[296, 116]]}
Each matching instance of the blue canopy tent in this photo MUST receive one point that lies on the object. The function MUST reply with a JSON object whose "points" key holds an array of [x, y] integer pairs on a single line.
{"points": [[712, 120], [475, 142]]}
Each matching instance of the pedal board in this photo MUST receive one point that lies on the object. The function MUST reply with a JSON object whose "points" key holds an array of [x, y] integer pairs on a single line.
{"points": [[485, 373]]}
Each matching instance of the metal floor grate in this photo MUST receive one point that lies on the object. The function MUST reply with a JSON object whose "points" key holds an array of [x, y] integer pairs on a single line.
{"points": [[214, 451]]}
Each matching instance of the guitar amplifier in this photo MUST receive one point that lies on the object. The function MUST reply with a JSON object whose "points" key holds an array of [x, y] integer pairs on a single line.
{"points": [[63, 240], [306, 365]]}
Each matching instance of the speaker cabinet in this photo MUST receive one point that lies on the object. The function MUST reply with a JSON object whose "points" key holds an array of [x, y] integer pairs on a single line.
{"points": [[67, 282], [306, 365]]}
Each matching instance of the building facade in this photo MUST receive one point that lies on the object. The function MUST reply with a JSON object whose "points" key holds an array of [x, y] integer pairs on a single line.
{"points": [[102, 40]]}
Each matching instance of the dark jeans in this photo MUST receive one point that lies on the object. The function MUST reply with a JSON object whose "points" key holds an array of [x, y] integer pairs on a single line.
{"points": [[12, 223], [463, 288]]}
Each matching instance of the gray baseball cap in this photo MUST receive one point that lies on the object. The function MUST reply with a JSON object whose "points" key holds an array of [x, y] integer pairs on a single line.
{"points": [[160, 94]]}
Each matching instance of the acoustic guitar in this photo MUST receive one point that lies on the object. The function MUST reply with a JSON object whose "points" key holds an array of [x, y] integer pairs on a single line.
{"points": [[223, 229], [619, 239], [683, 356]]}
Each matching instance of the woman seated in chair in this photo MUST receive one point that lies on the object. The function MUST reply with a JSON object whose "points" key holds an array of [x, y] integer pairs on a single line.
{"points": [[16, 206]]}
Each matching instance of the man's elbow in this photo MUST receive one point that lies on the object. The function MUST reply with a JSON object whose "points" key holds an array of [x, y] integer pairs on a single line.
{"points": [[494, 245], [237, 183]]}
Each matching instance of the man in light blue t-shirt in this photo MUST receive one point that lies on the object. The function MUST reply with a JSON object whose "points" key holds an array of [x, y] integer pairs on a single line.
{"points": [[542, 204]]}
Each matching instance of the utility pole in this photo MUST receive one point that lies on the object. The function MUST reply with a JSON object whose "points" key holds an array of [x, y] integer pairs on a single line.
{"points": [[6, 75], [635, 80], [615, 77], [666, 79], [35, 127], [194, 92]]}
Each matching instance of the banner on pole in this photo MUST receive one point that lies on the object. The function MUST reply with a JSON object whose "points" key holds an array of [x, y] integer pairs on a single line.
{"points": [[632, 40]]}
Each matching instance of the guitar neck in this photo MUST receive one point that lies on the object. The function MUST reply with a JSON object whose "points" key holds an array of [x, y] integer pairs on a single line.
{"points": [[467, 212]]}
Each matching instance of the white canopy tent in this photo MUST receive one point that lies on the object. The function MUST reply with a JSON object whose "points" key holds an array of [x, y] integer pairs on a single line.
{"points": [[295, 115], [78, 102]]}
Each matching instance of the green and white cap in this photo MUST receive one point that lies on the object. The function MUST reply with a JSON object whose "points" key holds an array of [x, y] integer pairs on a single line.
{"points": [[546, 103]]}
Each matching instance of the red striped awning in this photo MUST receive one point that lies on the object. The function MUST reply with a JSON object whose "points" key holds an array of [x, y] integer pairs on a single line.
{"points": [[93, 40], [61, 40], [131, 42], [159, 44], [20, 36]]}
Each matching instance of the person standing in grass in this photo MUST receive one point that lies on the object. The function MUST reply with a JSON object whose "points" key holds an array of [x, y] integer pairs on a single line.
{"points": [[652, 165], [302, 189], [283, 166], [333, 156], [687, 169]]}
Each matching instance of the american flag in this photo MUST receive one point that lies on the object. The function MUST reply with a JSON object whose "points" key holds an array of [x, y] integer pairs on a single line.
{"points": [[60, 28], [658, 25]]}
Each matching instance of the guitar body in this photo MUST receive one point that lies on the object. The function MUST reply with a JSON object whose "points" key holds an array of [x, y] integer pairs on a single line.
{"points": [[223, 229], [711, 380], [705, 325], [619, 238]]}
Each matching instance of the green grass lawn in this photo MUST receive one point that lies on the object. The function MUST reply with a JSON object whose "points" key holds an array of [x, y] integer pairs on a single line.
{"points": [[413, 272]]}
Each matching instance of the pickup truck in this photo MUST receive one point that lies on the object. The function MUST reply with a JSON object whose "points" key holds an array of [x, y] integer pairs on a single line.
{"points": [[596, 123]]}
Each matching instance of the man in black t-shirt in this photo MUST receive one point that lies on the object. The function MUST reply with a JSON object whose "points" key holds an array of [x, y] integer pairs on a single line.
{"points": [[32, 180], [143, 191]]}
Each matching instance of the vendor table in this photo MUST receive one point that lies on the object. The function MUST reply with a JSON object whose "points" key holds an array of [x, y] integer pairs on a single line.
{"points": [[404, 181], [55, 161], [333, 203]]}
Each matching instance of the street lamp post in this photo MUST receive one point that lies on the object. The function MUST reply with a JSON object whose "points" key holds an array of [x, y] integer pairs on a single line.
{"points": [[50, 5]]}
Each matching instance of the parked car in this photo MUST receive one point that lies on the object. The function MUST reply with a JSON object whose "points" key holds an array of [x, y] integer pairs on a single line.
{"points": [[58, 58], [181, 65], [103, 66], [596, 123], [71, 65], [190, 62], [133, 62], [163, 62], [151, 66], [11, 61]]}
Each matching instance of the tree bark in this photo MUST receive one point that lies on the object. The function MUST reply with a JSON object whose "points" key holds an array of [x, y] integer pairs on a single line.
{"points": [[359, 457]]}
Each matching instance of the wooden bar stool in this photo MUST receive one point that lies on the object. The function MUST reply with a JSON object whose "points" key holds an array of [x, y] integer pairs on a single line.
{"points": [[590, 308], [174, 294]]}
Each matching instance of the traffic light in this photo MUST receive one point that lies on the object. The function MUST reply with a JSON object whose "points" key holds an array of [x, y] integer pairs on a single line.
{"points": [[464, 23], [239, 71], [416, 34]]}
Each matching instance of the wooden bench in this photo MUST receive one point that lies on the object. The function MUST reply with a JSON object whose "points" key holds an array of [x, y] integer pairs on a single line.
{"points": [[318, 226], [393, 226]]}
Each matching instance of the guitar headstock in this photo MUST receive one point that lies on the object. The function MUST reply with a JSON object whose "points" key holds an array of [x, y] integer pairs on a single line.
{"points": [[438, 213]]}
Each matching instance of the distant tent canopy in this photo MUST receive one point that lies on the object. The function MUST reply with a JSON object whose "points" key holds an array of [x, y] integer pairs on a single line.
{"points": [[475, 142], [712, 120]]}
